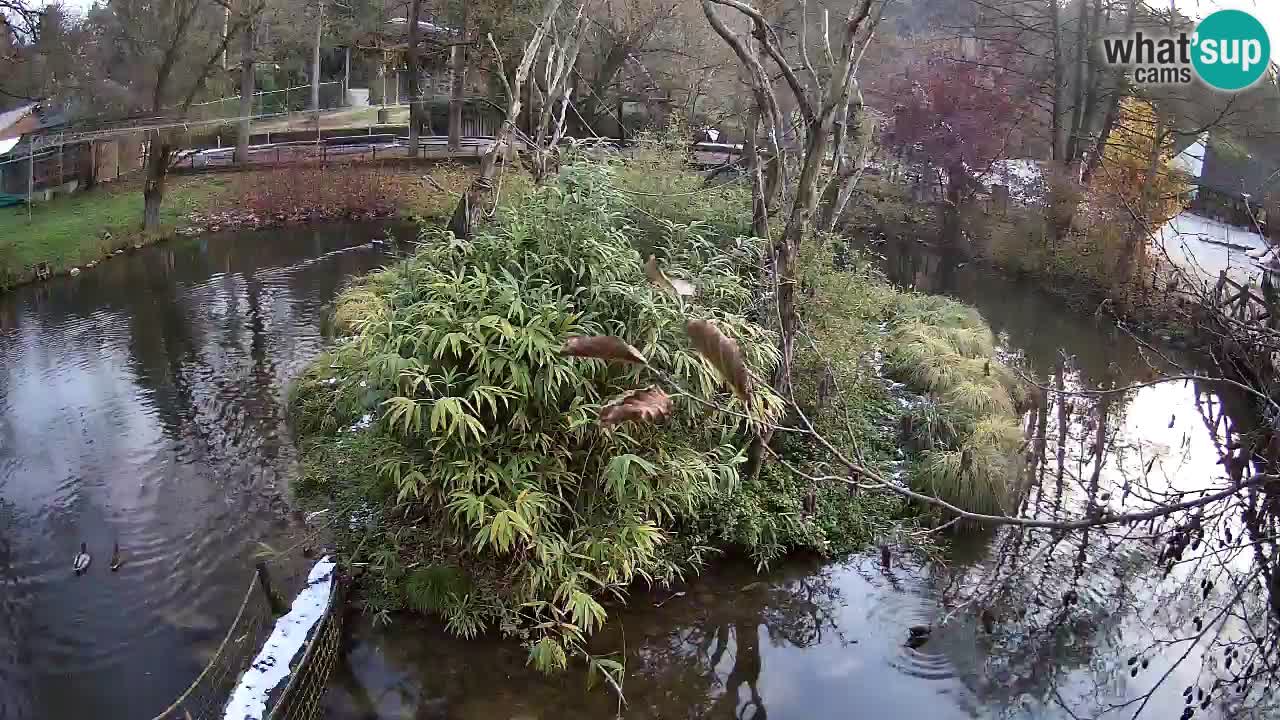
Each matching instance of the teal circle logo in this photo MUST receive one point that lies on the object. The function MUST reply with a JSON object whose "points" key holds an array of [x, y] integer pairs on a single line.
{"points": [[1231, 50]]}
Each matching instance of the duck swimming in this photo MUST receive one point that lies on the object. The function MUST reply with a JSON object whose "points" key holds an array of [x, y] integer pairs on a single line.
{"points": [[116, 560], [82, 560], [918, 635]]}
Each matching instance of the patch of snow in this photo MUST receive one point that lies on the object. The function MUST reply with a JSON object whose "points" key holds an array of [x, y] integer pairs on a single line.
{"points": [[1024, 178], [271, 666], [1205, 247], [1191, 160], [365, 421], [365, 515]]}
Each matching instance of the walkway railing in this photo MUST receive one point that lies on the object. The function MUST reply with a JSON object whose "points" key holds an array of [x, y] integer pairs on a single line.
{"points": [[271, 667]]}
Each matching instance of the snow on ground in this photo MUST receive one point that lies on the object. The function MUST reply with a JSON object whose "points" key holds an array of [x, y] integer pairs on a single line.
{"points": [[1023, 177], [271, 666], [1206, 247]]}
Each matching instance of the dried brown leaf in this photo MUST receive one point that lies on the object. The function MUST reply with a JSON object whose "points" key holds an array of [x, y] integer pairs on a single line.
{"points": [[672, 286], [724, 355], [646, 405], [602, 347]]}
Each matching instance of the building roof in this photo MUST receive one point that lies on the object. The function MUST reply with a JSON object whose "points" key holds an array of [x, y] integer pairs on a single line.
{"points": [[1247, 168], [10, 118]]}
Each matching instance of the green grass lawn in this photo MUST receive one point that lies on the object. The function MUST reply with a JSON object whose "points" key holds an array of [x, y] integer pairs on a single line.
{"points": [[69, 230]]}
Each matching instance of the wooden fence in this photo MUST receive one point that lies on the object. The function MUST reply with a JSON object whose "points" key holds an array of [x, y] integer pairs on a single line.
{"points": [[1244, 303]]}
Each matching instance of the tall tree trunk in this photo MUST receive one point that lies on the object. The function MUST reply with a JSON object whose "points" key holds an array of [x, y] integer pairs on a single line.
{"points": [[1135, 255], [457, 84], [951, 235], [759, 200], [246, 95], [415, 102], [844, 172], [1112, 112], [786, 248], [346, 74], [1088, 118], [153, 187], [1058, 146], [315, 61], [1078, 90]]}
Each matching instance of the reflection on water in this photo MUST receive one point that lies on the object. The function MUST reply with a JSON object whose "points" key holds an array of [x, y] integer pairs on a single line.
{"points": [[142, 403], [809, 641], [1025, 625]]}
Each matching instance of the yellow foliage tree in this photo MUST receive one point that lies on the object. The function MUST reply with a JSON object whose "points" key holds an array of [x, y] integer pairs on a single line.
{"points": [[1137, 176]]}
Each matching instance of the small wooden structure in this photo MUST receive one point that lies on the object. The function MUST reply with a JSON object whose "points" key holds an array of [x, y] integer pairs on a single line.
{"points": [[1243, 303]]}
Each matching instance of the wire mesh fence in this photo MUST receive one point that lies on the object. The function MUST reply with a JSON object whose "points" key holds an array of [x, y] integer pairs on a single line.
{"points": [[301, 699], [298, 697]]}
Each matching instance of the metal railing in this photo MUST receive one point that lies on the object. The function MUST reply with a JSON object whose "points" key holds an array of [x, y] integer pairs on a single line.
{"points": [[273, 102]]}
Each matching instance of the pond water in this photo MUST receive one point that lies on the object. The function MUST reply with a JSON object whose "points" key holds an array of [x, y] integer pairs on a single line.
{"points": [[816, 639], [142, 403]]}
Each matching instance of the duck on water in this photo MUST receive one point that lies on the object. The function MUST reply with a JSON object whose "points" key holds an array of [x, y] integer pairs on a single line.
{"points": [[81, 561]]}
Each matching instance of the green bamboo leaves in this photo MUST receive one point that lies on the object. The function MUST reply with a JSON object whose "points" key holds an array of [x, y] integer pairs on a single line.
{"points": [[480, 379]]}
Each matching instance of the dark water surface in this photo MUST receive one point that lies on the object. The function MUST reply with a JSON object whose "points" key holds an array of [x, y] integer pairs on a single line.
{"points": [[143, 403], [826, 640]]}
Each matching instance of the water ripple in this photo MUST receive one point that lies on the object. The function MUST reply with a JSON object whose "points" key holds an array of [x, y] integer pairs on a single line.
{"points": [[141, 404]]}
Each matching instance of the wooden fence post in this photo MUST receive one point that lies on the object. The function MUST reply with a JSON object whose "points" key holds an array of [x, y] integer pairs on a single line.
{"points": [[264, 581]]}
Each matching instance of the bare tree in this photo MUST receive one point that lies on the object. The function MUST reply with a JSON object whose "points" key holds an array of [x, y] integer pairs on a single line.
{"points": [[818, 103], [412, 54], [248, 60], [458, 81], [621, 32], [19, 31], [554, 92], [163, 57], [315, 60], [480, 198]]}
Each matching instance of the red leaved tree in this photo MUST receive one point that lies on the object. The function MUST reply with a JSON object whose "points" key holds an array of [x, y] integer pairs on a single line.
{"points": [[957, 118]]}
